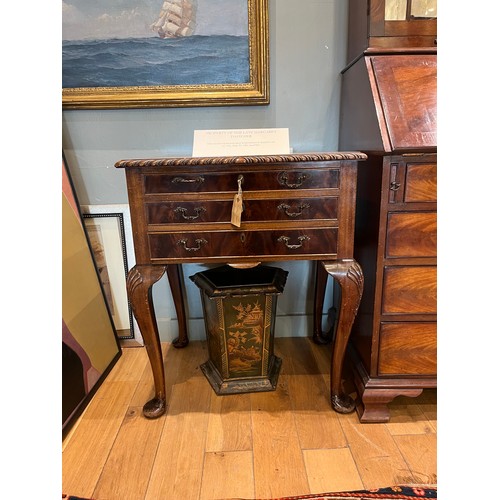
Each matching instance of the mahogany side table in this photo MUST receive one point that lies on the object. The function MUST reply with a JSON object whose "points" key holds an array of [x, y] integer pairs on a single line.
{"points": [[295, 207]]}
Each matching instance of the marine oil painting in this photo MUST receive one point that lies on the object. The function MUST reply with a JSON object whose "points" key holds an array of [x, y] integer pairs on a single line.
{"points": [[134, 44], [130, 43]]}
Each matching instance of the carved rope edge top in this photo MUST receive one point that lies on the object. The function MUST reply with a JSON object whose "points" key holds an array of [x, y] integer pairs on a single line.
{"points": [[224, 160]]}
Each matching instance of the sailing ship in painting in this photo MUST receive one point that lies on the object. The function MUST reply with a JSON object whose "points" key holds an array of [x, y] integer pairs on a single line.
{"points": [[177, 18], [179, 42]]}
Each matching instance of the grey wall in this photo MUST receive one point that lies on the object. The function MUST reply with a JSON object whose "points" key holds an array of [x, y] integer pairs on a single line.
{"points": [[307, 52]]}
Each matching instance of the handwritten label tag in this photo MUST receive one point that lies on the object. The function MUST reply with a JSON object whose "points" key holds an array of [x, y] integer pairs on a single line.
{"points": [[237, 204], [237, 210]]}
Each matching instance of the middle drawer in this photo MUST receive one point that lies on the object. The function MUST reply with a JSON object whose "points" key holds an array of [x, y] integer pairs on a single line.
{"points": [[409, 290], [182, 212]]}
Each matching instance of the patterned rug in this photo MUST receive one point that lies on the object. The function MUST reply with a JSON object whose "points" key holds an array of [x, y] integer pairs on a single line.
{"points": [[392, 493]]}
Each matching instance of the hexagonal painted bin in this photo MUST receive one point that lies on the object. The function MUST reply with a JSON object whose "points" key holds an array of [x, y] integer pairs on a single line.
{"points": [[239, 308]]}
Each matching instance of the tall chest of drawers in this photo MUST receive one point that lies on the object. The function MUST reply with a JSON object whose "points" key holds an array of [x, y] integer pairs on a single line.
{"points": [[295, 207], [389, 112]]}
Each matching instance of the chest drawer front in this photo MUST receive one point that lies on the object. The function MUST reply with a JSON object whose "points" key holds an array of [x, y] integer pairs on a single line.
{"points": [[229, 245], [408, 349], [324, 208], [412, 182], [411, 234], [421, 183], [182, 212], [217, 182], [409, 290]]}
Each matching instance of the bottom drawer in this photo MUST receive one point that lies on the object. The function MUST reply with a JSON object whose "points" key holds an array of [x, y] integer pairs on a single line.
{"points": [[408, 349], [233, 244]]}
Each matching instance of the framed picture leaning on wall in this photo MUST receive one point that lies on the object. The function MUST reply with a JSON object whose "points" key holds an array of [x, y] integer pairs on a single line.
{"points": [[90, 346], [110, 233]]}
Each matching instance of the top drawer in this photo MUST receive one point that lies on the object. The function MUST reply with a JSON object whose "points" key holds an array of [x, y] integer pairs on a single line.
{"points": [[413, 182], [217, 182]]}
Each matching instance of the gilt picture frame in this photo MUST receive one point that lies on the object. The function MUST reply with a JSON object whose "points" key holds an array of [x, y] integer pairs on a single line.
{"points": [[109, 231], [104, 68]]}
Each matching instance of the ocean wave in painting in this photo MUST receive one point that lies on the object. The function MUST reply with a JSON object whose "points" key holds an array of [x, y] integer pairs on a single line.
{"points": [[132, 62]]}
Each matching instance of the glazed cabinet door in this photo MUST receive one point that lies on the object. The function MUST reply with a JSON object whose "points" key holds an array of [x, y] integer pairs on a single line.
{"points": [[387, 24]]}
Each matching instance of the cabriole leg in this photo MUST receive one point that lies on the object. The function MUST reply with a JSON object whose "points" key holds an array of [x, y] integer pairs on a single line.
{"points": [[348, 273], [140, 281], [319, 298], [174, 274]]}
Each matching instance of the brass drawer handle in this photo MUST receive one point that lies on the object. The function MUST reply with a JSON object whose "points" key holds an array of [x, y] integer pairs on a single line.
{"points": [[199, 242], [183, 211], [286, 239], [286, 208], [283, 180], [178, 180], [394, 186]]}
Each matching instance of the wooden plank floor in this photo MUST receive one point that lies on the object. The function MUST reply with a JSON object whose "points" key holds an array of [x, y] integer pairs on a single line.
{"points": [[281, 443]]}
